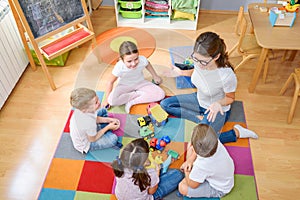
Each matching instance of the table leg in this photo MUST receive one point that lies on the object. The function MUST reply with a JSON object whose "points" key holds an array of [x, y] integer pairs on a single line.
{"points": [[258, 69]]}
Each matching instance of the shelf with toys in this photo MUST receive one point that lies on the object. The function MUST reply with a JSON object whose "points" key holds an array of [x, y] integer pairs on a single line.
{"points": [[169, 14]]}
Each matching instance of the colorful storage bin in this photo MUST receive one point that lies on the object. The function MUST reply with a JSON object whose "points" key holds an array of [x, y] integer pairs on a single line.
{"points": [[130, 4], [58, 61], [133, 14]]}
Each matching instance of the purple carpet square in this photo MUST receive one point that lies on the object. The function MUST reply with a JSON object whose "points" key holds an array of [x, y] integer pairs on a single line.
{"points": [[242, 160]]}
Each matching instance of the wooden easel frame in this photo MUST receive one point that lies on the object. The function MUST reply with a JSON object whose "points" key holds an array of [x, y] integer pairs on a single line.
{"points": [[24, 29]]}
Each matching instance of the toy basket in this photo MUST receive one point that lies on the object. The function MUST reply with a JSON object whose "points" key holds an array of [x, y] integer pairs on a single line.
{"points": [[133, 14], [130, 4]]}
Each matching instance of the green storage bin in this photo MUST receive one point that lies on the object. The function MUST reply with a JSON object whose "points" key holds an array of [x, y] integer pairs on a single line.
{"points": [[131, 14], [130, 4], [58, 61]]}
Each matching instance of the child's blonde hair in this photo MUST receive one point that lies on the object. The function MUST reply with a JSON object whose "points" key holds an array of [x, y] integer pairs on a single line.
{"points": [[80, 98], [204, 140]]}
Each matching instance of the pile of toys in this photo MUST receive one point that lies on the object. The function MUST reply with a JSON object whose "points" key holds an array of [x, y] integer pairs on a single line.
{"points": [[156, 117]]}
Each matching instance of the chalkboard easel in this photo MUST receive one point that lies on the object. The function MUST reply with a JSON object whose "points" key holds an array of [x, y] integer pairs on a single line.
{"points": [[38, 20]]}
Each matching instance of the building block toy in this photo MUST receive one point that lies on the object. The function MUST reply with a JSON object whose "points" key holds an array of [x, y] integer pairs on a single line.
{"points": [[159, 144], [147, 132], [173, 154], [158, 115], [144, 121], [165, 165]]}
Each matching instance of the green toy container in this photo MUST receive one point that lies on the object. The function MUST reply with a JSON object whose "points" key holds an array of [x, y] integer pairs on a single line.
{"points": [[58, 61], [131, 14], [130, 4]]}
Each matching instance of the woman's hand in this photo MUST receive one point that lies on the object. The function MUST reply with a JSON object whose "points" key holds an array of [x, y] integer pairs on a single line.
{"points": [[173, 72], [213, 110]]}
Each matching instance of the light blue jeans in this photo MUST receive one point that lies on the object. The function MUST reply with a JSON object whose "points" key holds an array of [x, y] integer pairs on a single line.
{"points": [[109, 139], [186, 106], [168, 182]]}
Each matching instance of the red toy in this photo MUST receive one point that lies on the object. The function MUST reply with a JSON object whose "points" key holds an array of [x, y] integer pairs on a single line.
{"points": [[159, 144]]}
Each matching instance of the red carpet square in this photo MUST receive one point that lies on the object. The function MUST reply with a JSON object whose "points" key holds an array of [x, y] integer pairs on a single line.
{"points": [[96, 177]]}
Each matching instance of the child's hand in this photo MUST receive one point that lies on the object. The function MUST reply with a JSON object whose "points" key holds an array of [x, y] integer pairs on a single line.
{"points": [[186, 167], [157, 80], [113, 126], [105, 104]]}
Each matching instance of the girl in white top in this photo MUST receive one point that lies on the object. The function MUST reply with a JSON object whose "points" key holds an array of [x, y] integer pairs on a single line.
{"points": [[209, 169], [132, 88], [135, 181]]}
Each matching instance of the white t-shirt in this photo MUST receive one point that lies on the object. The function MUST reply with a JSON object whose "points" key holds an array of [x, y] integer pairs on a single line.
{"points": [[218, 170], [130, 76], [126, 189], [82, 125], [213, 84]]}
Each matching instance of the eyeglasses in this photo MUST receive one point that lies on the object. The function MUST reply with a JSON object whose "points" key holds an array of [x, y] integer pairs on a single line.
{"points": [[202, 62]]}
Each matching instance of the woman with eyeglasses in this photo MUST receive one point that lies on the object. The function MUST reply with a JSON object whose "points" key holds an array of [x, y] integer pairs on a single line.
{"points": [[216, 83]]}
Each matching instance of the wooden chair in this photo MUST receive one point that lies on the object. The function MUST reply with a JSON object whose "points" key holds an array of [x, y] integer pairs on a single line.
{"points": [[248, 48], [296, 76], [237, 28]]}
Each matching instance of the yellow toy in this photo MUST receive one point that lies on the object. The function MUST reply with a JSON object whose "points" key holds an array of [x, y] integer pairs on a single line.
{"points": [[157, 160], [292, 6]]}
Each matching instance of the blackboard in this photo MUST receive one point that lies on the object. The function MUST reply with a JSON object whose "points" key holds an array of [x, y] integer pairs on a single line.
{"points": [[44, 16]]}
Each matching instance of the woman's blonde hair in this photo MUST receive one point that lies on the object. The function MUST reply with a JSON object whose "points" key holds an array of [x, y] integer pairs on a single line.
{"points": [[204, 140], [80, 98]]}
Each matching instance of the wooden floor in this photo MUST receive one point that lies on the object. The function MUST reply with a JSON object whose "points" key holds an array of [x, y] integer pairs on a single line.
{"points": [[32, 120]]}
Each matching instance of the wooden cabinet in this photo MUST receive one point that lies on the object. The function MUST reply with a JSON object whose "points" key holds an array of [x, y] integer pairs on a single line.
{"points": [[134, 17]]}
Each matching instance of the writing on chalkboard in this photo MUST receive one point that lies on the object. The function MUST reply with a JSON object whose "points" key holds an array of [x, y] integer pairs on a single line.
{"points": [[44, 16]]}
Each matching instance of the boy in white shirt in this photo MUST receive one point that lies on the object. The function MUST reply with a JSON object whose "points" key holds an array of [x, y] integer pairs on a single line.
{"points": [[209, 169], [90, 128]]}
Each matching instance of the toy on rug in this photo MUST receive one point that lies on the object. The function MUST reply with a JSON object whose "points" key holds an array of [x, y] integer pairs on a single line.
{"points": [[157, 160], [173, 154], [186, 65], [159, 144], [146, 130], [158, 116]]}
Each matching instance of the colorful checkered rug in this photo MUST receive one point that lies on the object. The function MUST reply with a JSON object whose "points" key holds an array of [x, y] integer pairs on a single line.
{"points": [[73, 175]]}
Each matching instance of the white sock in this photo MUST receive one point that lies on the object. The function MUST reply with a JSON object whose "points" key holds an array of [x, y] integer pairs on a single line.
{"points": [[245, 133], [127, 107]]}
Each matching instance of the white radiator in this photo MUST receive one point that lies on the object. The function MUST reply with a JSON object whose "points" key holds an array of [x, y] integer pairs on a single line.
{"points": [[13, 58]]}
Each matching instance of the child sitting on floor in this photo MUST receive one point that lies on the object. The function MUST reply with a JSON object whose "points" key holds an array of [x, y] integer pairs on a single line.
{"points": [[134, 181], [90, 128], [132, 88], [209, 169]]}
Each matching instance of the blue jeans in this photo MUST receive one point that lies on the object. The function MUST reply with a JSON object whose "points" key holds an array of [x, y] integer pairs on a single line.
{"points": [[109, 139], [186, 106], [168, 182]]}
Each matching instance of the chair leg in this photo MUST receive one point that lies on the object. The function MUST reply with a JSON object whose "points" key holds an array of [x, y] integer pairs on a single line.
{"points": [[232, 49], [293, 105], [266, 68], [286, 84], [245, 59], [284, 56]]}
